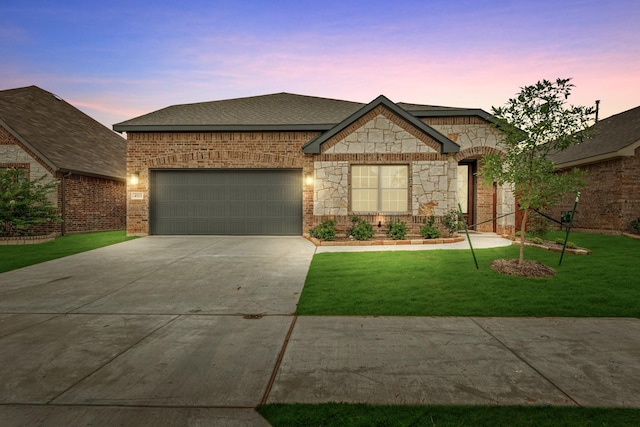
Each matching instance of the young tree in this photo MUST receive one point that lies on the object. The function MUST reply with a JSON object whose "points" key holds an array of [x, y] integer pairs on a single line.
{"points": [[536, 123], [23, 202]]}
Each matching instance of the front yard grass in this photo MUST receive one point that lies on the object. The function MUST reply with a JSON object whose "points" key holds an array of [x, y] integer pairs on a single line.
{"points": [[351, 415], [17, 256], [446, 283]]}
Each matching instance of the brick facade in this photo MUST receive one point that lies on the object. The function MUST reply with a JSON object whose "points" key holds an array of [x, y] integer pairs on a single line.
{"points": [[379, 137], [611, 199], [211, 150], [89, 203]]}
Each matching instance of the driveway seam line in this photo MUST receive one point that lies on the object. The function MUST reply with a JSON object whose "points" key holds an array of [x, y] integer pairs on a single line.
{"points": [[276, 368], [512, 351], [126, 349]]}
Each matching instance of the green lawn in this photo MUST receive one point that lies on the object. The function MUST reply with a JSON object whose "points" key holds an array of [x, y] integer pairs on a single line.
{"points": [[350, 415], [18, 256], [446, 283]]}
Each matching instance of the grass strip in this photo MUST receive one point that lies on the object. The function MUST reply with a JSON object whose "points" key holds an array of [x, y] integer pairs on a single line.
{"points": [[17, 256], [361, 415]]}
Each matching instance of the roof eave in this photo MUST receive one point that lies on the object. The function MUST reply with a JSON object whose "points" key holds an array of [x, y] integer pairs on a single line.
{"points": [[92, 175], [628, 151], [34, 150], [223, 128], [454, 113]]}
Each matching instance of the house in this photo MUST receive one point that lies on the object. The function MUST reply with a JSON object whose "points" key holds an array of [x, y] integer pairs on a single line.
{"points": [[47, 136], [611, 159], [279, 164]]}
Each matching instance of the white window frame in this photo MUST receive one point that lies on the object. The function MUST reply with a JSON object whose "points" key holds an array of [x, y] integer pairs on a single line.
{"points": [[380, 189]]}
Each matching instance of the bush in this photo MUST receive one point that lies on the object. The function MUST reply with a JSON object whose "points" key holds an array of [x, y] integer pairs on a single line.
{"points": [[429, 230], [635, 226], [559, 241], [537, 240], [361, 229], [572, 245], [326, 230], [450, 221], [24, 202], [538, 226], [397, 230]]}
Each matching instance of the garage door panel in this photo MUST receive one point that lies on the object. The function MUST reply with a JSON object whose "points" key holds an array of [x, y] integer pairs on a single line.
{"points": [[242, 202]]}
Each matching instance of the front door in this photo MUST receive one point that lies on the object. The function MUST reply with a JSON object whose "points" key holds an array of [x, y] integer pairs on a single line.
{"points": [[467, 190]]}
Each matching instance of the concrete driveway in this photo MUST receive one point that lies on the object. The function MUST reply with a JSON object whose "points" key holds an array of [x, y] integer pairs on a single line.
{"points": [[173, 331], [174, 327]]}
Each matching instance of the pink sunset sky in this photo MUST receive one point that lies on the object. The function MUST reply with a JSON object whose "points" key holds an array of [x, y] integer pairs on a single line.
{"points": [[120, 59]]}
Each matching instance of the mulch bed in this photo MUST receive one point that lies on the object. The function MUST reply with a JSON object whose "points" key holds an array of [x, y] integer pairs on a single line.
{"points": [[528, 268]]}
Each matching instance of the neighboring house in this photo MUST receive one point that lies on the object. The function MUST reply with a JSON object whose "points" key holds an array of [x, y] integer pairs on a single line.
{"points": [[279, 164], [47, 136], [611, 158]]}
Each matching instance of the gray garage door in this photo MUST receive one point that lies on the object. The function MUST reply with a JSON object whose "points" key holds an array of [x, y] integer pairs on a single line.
{"points": [[241, 202]]}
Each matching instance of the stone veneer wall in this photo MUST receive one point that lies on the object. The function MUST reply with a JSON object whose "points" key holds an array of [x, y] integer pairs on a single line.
{"points": [[476, 138], [382, 138]]}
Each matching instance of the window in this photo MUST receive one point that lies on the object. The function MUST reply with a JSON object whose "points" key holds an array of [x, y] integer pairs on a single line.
{"points": [[379, 188]]}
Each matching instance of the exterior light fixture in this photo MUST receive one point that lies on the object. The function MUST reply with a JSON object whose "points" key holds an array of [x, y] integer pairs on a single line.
{"points": [[379, 218], [308, 179], [135, 178]]}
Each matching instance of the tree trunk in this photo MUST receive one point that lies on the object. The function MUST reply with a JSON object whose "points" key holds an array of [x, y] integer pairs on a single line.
{"points": [[523, 227]]}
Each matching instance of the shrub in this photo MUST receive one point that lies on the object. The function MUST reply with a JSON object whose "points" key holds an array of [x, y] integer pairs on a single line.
{"points": [[361, 229], [538, 226], [397, 230], [429, 230], [24, 202], [326, 230], [451, 222], [537, 240], [572, 245], [559, 241], [635, 226]]}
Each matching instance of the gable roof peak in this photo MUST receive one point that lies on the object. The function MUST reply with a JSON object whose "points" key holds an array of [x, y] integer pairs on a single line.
{"points": [[447, 146]]}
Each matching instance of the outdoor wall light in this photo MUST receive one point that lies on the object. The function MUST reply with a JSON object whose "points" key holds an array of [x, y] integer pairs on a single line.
{"points": [[135, 178], [308, 179], [379, 218]]}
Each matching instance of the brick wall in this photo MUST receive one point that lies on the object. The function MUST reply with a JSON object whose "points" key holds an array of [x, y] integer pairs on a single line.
{"points": [[371, 145], [93, 204], [611, 199], [224, 150]]}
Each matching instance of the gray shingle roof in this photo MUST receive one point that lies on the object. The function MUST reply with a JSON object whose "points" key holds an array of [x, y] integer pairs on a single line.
{"points": [[611, 137], [280, 111], [66, 138]]}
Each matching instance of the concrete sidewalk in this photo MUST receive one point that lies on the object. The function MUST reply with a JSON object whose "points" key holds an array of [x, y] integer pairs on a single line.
{"points": [[170, 331]]}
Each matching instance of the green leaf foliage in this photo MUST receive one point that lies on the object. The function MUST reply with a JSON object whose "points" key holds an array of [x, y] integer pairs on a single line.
{"points": [[24, 202], [326, 230], [535, 124], [361, 229]]}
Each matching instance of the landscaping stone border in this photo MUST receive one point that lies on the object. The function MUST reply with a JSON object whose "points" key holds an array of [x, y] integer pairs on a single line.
{"points": [[27, 240], [556, 248], [383, 242]]}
